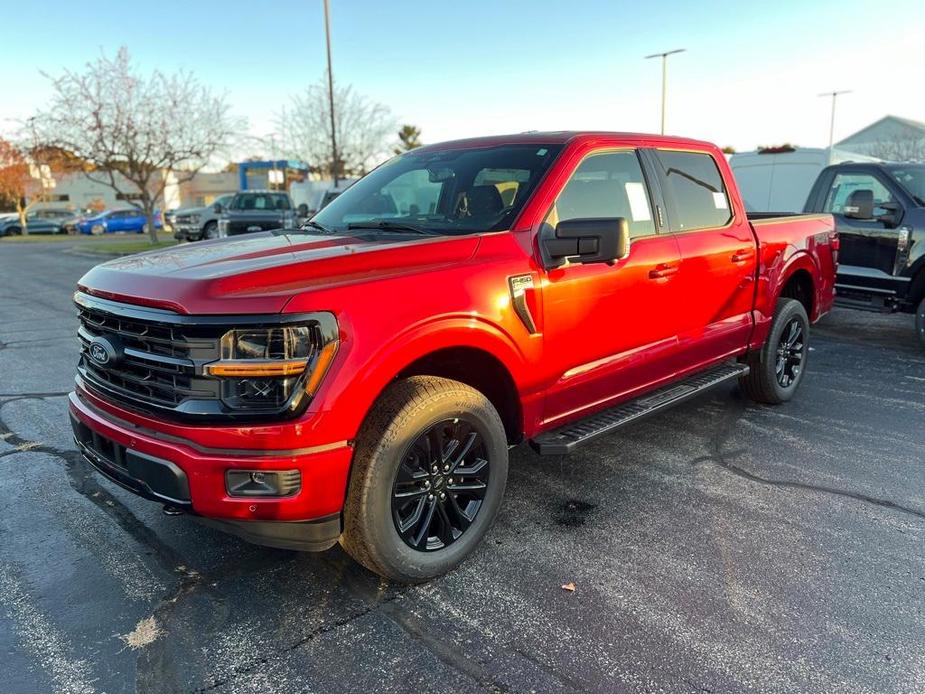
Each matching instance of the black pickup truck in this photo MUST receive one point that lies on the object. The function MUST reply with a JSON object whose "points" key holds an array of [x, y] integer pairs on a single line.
{"points": [[257, 210], [879, 211]]}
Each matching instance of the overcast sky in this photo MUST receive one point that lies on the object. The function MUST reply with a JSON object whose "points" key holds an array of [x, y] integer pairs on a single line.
{"points": [[750, 76]]}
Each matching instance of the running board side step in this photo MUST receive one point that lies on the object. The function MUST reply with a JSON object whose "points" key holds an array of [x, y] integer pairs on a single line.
{"points": [[569, 437]]}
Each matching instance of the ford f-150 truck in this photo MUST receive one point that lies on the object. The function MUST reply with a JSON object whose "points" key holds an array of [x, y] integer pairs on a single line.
{"points": [[879, 211], [362, 378], [257, 210]]}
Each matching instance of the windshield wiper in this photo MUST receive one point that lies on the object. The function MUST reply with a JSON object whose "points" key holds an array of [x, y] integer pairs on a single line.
{"points": [[315, 225], [385, 225]]}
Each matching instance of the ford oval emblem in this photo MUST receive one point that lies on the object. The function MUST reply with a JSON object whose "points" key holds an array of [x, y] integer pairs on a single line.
{"points": [[102, 351]]}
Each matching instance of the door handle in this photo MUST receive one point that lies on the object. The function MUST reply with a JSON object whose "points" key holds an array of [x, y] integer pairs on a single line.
{"points": [[743, 255], [662, 270]]}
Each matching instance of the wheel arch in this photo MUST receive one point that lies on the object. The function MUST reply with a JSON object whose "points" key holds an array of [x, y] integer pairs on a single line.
{"points": [[917, 283], [480, 370], [800, 280], [799, 285], [470, 350]]}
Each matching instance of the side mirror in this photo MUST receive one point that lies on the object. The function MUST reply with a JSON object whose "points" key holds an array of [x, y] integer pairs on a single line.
{"points": [[893, 216], [604, 240], [859, 205], [217, 208]]}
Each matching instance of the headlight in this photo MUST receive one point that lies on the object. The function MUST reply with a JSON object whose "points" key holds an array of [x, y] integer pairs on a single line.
{"points": [[288, 222], [195, 218], [272, 368]]}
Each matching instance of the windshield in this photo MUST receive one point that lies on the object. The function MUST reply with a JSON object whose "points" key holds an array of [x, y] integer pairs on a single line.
{"points": [[260, 201], [456, 191], [912, 178]]}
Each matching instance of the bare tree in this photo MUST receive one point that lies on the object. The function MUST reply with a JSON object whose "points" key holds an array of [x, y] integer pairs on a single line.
{"points": [[900, 146], [364, 128], [134, 131]]}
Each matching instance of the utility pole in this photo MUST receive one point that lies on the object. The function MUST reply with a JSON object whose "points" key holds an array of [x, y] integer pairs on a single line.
{"points": [[834, 96], [335, 162], [664, 57]]}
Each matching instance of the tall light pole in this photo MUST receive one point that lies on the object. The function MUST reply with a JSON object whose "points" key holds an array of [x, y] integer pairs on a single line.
{"points": [[834, 96], [664, 57], [335, 163]]}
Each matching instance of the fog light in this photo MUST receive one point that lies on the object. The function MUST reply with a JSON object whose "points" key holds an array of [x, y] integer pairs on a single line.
{"points": [[262, 482]]}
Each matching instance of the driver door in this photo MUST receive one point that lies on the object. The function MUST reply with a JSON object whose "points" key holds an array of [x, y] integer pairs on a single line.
{"points": [[609, 330], [869, 246]]}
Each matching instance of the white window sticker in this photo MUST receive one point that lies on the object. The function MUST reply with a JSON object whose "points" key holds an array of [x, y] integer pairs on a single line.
{"points": [[639, 203], [719, 201]]}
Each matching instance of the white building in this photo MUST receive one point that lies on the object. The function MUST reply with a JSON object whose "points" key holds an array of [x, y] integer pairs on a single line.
{"points": [[891, 138]]}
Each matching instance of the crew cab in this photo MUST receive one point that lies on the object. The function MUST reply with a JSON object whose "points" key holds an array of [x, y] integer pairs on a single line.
{"points": [[879, 211], [362, 379], [257, 210]]}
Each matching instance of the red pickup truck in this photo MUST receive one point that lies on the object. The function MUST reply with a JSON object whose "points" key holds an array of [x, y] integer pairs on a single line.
{"points": [[362, 378]]}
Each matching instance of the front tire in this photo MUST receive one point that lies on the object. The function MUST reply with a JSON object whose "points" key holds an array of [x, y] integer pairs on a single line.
{"points": [[427, 481], [920, 321], [210, 231], [777, 369]]}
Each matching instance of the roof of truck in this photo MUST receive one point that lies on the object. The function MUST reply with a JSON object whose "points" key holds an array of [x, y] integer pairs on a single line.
{"points": [[560, 137]]}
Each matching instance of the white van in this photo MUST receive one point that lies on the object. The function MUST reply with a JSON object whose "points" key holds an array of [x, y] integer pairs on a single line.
{"points": [[781, 181]]}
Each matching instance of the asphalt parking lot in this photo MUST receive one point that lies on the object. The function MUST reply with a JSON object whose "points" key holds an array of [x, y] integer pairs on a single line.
{"points": [[721, 547]]}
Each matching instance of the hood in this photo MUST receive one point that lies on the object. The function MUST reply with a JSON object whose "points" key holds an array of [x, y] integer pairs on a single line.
{"points": [[259, 273], [190, 210]]}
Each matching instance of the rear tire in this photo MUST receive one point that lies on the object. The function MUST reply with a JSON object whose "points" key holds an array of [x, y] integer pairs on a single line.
{"points": [[427, 481], [14, 231], [777, 369], [920, 321]]}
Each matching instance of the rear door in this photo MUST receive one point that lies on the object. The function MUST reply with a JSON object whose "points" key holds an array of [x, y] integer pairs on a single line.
{"points": [[609, 330], [718, 258]]}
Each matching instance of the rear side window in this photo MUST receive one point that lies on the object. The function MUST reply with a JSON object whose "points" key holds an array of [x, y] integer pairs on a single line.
{"points": [[609, 184], [261, 201], [696, 187]]}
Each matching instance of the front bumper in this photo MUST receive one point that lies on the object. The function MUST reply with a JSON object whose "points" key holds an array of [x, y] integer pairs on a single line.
{"points": [[187, 232], [184, 474]]}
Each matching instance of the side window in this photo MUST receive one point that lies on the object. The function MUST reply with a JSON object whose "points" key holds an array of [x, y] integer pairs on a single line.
{"points": [[609, 184], [845, 184], [697, 189]]}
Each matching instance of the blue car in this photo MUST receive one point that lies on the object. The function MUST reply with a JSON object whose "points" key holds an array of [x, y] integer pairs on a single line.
{"points": [[131, 220]]}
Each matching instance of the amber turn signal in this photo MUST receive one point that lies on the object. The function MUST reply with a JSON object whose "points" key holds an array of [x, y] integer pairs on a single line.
{"points": [[256, 368], [325, 357]]}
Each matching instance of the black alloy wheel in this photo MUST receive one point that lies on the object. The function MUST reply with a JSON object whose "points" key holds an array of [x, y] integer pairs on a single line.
{"points": [[779, 366], [440, 485], [790, 351]]}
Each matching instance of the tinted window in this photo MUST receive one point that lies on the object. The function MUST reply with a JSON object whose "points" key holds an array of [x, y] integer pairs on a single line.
{"points": [[451, 191], [606, 185], [845, 184], [912, 178], [696, 187], [261, 201]]}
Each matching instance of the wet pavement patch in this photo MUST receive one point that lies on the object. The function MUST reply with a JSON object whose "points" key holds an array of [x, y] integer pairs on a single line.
{"points": [[573, 513]]}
